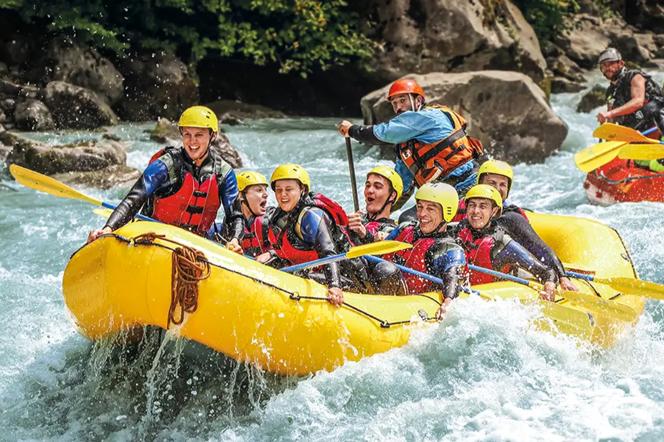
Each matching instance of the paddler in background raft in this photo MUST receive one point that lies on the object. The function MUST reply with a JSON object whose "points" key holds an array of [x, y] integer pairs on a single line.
{"points": [[514, 220], [633, 100], [308, 226], [434, 250], [488, 245], [431, 142], [185, 186]]}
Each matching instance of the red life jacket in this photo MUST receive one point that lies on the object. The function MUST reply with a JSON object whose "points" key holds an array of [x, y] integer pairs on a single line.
{"points": [[250, 244], [281, 243], [413, 258], [429, 161], [461, 211], [478, 252], [193, 206], [375, 226]]}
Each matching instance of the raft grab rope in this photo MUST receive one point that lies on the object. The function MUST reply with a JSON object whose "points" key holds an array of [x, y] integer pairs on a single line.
{"points": [[197, 268], [189, 267]]}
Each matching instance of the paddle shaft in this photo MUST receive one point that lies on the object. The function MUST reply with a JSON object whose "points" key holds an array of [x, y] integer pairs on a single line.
{"points": [[579, 276], [649, 131], [422, 275], [138, 215], [314, 263], [351, 169]]}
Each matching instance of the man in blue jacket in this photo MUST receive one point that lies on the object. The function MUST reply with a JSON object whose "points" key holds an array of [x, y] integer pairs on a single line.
{"points": [[431, 141]]}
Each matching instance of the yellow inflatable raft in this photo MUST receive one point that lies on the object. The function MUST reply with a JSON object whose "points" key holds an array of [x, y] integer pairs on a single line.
{"points": [[282, 322]]}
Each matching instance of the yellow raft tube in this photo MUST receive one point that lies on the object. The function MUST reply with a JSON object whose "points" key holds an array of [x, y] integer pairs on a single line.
{"points": [[283, 323]]}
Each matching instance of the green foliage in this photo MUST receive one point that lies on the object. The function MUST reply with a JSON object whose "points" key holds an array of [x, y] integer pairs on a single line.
{"points": [[296, 35], [546, 16]]}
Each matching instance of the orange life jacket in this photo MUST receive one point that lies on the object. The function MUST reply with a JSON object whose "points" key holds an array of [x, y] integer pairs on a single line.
{"points": [[430, 161]]}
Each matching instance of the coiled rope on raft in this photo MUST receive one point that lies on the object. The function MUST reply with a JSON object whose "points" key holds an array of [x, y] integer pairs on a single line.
{"points": [[189, 267]]}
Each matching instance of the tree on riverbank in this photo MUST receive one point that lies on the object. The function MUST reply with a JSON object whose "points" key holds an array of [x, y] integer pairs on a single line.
{"points": [[300, 36]]}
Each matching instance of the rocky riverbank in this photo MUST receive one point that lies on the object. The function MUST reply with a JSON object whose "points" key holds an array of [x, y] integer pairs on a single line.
{"points": [[481, 58]]}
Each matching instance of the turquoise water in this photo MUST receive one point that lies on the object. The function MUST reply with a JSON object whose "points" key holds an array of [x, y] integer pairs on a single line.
{"points": [[484, 374]]}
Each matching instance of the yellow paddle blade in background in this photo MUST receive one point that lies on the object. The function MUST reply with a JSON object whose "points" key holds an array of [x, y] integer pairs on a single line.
{"points": [[637, 287], [377, 248], [642, 152], [597, 155], [599, 304], [616, 132], [104, 213], [37, 181]]}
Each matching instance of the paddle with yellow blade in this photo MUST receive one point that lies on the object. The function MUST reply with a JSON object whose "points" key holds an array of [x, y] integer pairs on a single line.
{"points": [[616, 132], [589, 301], [641, 152], [599, 154], [628, 286], [374, 248], [42, 183]]}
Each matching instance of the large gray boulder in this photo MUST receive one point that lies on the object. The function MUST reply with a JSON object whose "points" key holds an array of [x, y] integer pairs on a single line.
{"points": [[506, 111], [167, 133], [586, 36], [31, 114], [449, 35], [156, 85], [80, 66], [74, 107], [83, 156]]}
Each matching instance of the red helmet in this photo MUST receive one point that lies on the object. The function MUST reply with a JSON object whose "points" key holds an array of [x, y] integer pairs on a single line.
{"points": [[405, 86]]}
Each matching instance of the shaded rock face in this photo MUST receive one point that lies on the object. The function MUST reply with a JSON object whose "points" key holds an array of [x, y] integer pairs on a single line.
{"points": [[507, 111], [235, 112], [449, 35], [167, 133], [106, 178], [32, 114], [645, 14], [156, 86], [587, 36], [595, 98], [74, 107], [84, 156], [80, 66]]}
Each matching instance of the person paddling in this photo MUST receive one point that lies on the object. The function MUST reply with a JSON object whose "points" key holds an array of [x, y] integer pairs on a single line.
{"points": [[185, 186], [431, 141], [488, 245], [434, 251], [382, 188], [633, 99], [514, 220]]}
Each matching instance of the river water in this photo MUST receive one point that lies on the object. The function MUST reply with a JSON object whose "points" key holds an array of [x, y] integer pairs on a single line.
{"points": [[484, 374]]}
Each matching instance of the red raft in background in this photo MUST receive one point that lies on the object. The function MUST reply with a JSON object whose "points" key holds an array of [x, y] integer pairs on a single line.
{"points": [[623, 181]]}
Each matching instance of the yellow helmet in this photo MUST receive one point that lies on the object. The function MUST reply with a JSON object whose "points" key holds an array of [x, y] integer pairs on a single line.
{"points": [[485, 191], [496, 167], [390, 175], [199, 116], [249, 178], [443, 194], [291, 172]]}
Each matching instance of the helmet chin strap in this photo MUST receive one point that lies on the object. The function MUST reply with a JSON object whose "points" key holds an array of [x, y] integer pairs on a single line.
{"points": [[387, 201], [246, 203]]}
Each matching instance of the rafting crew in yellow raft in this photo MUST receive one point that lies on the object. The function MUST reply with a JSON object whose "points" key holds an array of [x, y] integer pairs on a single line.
{"points": [[186, 186]]}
